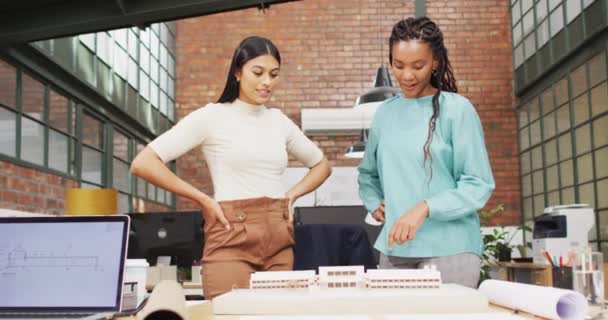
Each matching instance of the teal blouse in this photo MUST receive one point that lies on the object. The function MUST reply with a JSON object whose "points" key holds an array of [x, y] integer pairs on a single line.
{"points": [[393, 169]]}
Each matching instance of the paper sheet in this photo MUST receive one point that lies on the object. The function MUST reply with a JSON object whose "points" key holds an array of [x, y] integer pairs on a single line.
{"points": [[303, 317], [552, 303]]}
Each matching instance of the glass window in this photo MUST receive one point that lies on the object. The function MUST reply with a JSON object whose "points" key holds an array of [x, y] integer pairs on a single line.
{"points": [[566, 173], [522, 117], [171, 109], [539, 183], [144, 37], [154, 94], [144, 85], [154, 70], [554, 3], [8, 84], [530, 45], [133, 44], [144, 59], [528, 22], [543, 33], [578, 79], [552, 178], [515, 12], [91, 165], [92, 131], [580, 107], [524, 138], [537, 158], [105, 48], [8, 133], [597, 68], [151, 192], [565, 147], [86, 64], [586, 194], [557, 21], [541, 10], [123, 203], [600, 131], [587, 3], [539, 203], [163, 57], [32, 141], [120, 175], [584, 168], [601, 163], [132, 73], [583, 139], [602, 189], [141, 187], [58, 111], [551, 152], [162, 103], [120, 62], [121, 146], [528, 210], [163, 80], [547, 100], [88, 40], [568, 195], [599, 99], [171, 66], [573, 9], [549, 125], [561, 91], [519, 55], [563, 118], [553, 198], [535, 136], [171, 88], [32, 97], [160, 195], [58, 151], [154, 45], [120, 36]]}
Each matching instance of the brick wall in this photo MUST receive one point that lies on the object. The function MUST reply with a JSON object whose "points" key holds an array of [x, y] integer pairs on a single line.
{"points": [[30, 190], [331, 50]]}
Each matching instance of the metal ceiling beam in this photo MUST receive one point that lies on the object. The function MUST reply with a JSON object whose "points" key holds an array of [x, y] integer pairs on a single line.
{"points": [[70, 17]]}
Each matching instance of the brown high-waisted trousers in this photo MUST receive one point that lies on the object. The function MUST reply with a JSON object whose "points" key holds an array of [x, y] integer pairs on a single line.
{"points": [[260, 239]]}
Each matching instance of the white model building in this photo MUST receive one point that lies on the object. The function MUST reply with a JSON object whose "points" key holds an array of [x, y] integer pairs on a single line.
{"points": [[282, 279], [403, 278], [342, 277]]}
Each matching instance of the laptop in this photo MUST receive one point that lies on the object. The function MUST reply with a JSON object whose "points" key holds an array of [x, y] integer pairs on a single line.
{"points": [[68, 267]]}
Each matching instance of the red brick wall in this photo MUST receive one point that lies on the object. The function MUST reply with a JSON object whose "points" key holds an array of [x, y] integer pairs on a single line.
{"points": [[31, 190], [331, 50]]}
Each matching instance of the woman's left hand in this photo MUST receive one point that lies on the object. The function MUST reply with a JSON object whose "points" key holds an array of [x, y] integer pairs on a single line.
{"points": [[290, 200], [405, 228]]}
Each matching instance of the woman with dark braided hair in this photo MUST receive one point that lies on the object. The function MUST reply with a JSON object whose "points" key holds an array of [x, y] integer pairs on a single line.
{"points": [[426, 170]]}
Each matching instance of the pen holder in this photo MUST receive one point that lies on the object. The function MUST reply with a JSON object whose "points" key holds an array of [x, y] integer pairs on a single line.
{"points": [[562, 277]]}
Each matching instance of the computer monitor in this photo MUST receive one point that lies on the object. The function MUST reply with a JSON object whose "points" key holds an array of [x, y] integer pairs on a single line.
{"points": [[177, 234]]}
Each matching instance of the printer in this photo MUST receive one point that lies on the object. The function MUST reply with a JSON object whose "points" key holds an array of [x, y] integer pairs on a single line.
{"points": [[560, 229]]}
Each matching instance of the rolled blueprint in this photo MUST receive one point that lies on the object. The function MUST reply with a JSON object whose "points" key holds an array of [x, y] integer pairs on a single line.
{"points": [[167, 302], [548, 302]]}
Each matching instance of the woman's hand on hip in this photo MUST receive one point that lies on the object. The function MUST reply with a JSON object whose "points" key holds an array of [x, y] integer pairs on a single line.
{"points": [[378, 214], [406, 226], [212, 212]]}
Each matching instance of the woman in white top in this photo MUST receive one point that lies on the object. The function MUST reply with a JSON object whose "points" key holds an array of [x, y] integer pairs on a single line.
{"points": [[248, 221]]}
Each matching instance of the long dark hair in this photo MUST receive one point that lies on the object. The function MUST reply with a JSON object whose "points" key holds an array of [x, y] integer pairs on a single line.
{"points": [[424, 29], [249, 48]]}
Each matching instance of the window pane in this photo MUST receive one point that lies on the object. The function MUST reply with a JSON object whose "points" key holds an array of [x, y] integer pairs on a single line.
{"points": [[597, 68], [539, 204], [154, 45], [92, 131], [578, 79], [549, 125], [565, 147], [580, 106], [58, 151], [86, 64], [602, 189], [583, 139], [528, 22], [132, 73], [568, 195], [133, 44], [551, 152], [543, 33], [552, 178], [537, 158], [519, 55], [541, 10], [160, 195], [553, 198], [32, 97], [563, 118], [8, 133], [141, 187], [121, 62], [539, 183], [525, 162], [8, 84], [566, 173], [32, 141], [154, 70], [561, 91], [151, 191], [120, 175], [91, 165], [535, 136], [584, 168], [120, 35], [600, 131], [58, 111], [557, 21], [601, 163], [529, 46], [573, 9], [123, 203], [599, 99], [528, 210], [586, 194], [105, 48], [88, 40]]}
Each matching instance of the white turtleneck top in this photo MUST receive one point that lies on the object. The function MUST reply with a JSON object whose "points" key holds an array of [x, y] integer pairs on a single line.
{"points": [[246, 147]]}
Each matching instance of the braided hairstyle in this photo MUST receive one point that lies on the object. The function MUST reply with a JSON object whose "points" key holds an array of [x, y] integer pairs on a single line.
{"points": [[442, 78]]}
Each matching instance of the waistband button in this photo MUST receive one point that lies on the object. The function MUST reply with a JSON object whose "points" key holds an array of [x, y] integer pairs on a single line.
{"points": [[240, 216]]}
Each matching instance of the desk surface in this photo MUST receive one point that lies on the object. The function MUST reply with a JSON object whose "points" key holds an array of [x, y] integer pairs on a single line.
{"points": [[204, 311]]}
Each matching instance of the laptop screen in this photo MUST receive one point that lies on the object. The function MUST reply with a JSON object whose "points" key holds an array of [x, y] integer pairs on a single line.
{"points": [[62, 263]]}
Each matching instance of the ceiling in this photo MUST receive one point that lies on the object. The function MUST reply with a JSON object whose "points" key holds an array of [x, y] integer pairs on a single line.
{"points": [[24, 21]]}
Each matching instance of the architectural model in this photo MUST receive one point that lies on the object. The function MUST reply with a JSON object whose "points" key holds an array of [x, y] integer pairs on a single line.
{"points": [[347, 277]]}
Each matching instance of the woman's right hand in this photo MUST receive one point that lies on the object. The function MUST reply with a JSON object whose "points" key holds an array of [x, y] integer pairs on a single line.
{"points": [[212, 212], [379, 213]]}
